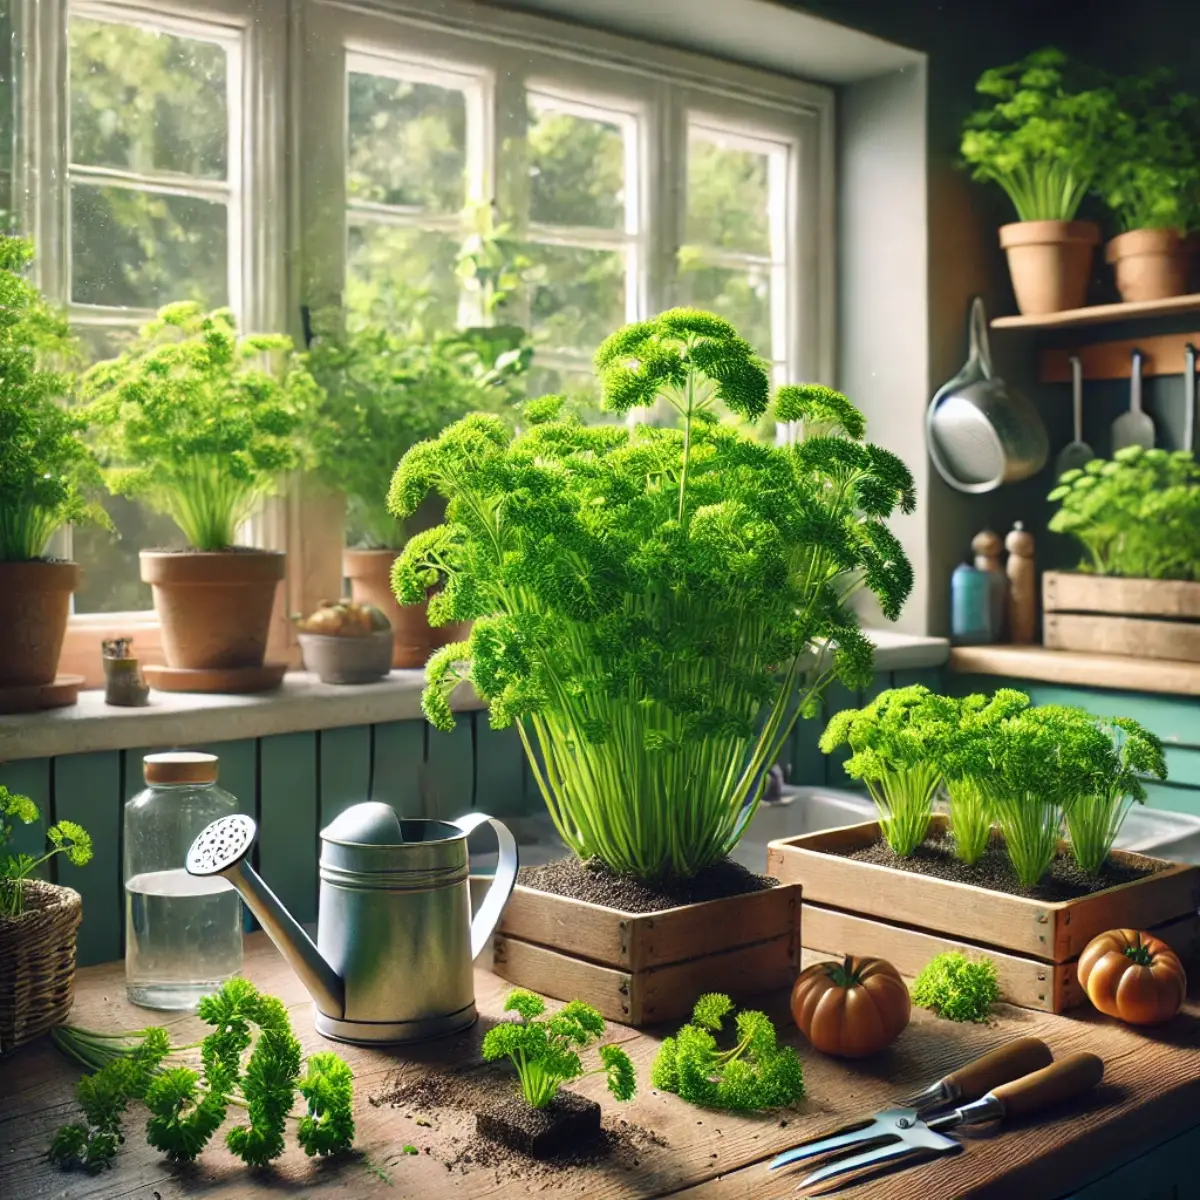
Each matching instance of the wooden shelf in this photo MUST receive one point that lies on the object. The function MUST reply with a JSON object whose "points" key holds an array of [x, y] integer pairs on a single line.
{"points": [[1102, 314], [1166, 676]]}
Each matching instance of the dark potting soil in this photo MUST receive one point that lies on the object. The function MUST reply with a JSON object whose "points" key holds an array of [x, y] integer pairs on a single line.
{"points": [[1064, 881], [567, 1122], [594, 882], [437, 1114]]}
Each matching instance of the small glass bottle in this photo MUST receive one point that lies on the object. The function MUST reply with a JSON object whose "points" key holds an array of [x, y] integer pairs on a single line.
{"points": [[971, 606], [183, 933]]}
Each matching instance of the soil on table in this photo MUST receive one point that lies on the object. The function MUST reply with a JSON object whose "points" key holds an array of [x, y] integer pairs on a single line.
{"points": [[594, 882], [437, 1114], [568, 1122], [1064, 881]]}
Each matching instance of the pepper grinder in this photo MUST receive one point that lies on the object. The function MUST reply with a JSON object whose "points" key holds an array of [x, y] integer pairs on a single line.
{"points": [[987, 547], [1022, 586]]}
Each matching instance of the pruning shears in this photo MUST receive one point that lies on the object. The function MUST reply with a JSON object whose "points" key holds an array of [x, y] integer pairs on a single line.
{"points": [[1015, 1080]]}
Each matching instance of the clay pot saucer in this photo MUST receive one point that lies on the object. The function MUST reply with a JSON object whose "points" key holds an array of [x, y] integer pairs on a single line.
{"points": [[33, 697], [231, 680]]}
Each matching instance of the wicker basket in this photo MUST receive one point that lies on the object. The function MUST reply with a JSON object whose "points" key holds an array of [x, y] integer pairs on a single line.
{"points": [[37, 963]]}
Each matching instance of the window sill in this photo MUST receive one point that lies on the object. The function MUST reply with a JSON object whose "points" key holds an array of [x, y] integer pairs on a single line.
{"points": [[302, 703]]}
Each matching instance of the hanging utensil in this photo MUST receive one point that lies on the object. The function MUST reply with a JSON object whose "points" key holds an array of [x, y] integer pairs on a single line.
{"points": [[1008, 1062], [1134, 428], [980, 434], [1189, 397], [1075, 454], [901, 1138]]}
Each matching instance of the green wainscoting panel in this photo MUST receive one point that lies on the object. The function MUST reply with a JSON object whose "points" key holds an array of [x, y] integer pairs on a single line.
{"points": [[930, 677], [1183, 765], [237, 771], [449, 781], [30, 777], [805, 765], [288, 820], [1167, 1172], [399, 765], [87, 789], [1179, 799], [345, 771], [500, 771], [535, 802]]}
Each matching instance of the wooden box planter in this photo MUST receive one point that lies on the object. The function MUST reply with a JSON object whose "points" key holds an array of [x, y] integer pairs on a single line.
{"points": [[1103, 614], [642, 968], [853, 907]]}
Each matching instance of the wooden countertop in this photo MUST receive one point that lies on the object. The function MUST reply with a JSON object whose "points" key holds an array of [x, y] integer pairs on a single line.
{"points": [[1126, 673], [1151, 1093]]}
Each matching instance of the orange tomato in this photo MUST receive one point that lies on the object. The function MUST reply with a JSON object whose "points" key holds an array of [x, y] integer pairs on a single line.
{"points": [[1132, 976], [851, 1008]]}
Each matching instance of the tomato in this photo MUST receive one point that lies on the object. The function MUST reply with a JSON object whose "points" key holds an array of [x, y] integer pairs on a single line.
{"points": [[1132, 976], [851, 1008]]}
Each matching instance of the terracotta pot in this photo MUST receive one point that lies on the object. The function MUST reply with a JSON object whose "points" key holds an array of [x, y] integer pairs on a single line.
{"points": [[348, 659], [1150, 264], [1050, 263], [215, 606], [370, 575], [35, 602]]}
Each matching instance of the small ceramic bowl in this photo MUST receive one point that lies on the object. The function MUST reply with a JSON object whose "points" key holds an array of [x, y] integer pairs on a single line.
{"points": [[360, 659]]}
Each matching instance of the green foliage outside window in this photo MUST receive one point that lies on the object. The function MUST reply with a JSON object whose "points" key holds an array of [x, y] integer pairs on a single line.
{"points": [[648, 603]]}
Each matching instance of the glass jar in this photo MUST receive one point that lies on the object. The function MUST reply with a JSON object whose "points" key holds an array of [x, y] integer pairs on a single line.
{"points": [[183, 933]]}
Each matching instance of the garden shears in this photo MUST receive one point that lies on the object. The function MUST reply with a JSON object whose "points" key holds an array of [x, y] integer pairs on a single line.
{"points": [[1015, 1080]]}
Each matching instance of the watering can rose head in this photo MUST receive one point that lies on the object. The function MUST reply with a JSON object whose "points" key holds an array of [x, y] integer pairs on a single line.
{"points": [[652, 605]]}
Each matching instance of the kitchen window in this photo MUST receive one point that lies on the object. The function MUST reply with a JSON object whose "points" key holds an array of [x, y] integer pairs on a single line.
{"points": [[280, 156]]}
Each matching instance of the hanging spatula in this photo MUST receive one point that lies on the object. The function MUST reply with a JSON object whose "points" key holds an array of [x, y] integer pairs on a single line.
{"points": [[1076, 454], [1133, 428], [902, 1139]]}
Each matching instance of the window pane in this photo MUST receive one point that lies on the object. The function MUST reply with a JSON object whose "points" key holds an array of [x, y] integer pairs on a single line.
{"points": [[406, 143], [728, 195], [146, 101], [394, 273], [576, 169], [111, 579], [138, 249], [577, 297], [581, 388], [742, 296]]}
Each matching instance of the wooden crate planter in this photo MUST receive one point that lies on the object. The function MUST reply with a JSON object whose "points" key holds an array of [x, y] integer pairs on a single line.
{"points": [[642, 968], [1146, 618], [853, 907]]}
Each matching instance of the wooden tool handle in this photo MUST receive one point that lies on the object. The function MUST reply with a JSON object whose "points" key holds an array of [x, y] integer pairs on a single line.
{"points": [[1055, 1084], [1005, 1063]]}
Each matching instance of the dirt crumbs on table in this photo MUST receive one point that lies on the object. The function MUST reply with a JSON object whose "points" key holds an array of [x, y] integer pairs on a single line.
{"points": [[1064, 881], [594, 882], [437, 1114]]}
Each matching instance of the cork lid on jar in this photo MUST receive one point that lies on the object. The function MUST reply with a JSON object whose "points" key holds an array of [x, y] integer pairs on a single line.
{"points": [[180, 766]]}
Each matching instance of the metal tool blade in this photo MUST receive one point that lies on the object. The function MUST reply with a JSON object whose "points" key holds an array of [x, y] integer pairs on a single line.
{"points": [[918, 1140], [862, 1133]]}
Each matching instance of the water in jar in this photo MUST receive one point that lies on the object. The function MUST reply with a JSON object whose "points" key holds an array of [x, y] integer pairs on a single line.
{"points": [[179, 927]]}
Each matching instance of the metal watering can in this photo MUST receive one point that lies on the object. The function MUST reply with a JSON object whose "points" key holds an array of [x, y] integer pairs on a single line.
{"points": [[395, 939]]}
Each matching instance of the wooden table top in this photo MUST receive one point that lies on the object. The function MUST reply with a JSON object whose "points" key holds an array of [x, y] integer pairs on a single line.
{"points": [[1151, 1093]]}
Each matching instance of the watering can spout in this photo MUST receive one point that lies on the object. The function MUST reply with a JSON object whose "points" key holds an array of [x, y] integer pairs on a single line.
{"points": [[222, 848]]}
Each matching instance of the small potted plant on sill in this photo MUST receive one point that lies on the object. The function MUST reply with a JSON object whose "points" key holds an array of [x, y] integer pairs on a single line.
{"points": [[386, 388], [653, 608], [44, 468], [997, 874], [345, 642], [1040, 139], [201, 424], [1149, 177], [38, 924], [1137, 589]]}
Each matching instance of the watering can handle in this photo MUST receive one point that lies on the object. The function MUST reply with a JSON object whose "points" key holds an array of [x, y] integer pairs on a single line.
{"points": [[977, 333], [497, 896]]}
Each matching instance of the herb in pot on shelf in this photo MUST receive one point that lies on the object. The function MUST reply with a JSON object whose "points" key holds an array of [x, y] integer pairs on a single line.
{"points": [[46, 469], [1040, 137], [1149, 177], [201, 424]]}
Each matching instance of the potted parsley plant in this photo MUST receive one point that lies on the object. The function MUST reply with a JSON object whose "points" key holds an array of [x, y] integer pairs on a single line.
{"points": [[45, 468], [652, 608], [201, 423]]}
